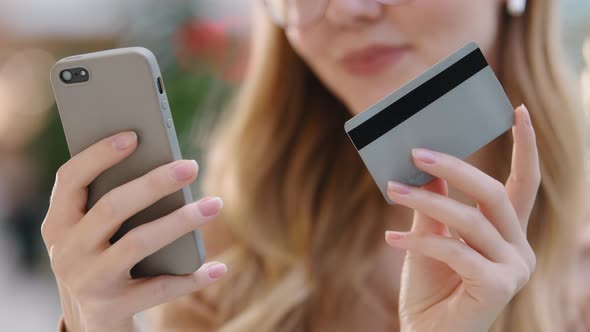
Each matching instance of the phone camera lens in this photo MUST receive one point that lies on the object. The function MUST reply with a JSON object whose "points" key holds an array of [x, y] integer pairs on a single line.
{"points": [[66, 75], [74, 75]]}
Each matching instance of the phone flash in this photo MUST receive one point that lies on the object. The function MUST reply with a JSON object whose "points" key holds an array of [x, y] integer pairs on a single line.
{"points": [[83, 73]]}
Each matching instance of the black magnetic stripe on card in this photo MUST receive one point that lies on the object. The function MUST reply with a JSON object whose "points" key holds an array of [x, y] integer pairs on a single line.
{"points": [[417, 99]]}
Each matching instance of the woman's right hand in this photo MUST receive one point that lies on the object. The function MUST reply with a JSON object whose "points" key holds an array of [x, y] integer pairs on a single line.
{"points": [[96, 290]]}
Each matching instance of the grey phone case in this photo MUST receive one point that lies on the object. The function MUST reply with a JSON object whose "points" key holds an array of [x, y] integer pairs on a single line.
{"points": [[455, 107], [122, 94]]}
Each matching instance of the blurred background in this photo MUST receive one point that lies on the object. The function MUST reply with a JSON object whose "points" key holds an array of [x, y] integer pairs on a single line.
{"points": [[202, 48]]}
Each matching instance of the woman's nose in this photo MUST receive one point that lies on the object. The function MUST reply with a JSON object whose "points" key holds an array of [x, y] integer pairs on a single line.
{"points": [[353, 12]]}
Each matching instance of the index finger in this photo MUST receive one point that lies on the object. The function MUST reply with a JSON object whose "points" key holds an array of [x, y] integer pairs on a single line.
{"points": [[525, 175], [74, 176]]}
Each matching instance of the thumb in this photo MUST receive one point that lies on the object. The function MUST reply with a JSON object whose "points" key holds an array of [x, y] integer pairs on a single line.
{"points": [[425, 224]]}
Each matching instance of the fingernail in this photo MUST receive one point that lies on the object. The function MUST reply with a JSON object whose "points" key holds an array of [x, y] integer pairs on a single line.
{"points": [[125, 140], [394, 236], [425, 156], [527, 116], [216, 270], [184, 170], [398, 188], [209, 206]]}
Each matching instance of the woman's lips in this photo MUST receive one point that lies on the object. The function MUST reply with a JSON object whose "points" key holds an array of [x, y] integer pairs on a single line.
{"points": [[373, 59]]}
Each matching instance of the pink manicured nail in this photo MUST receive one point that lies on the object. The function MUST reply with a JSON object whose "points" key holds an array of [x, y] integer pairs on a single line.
{"points": [[216, 270], [125, 140], [527, 116], [394, 236], [398, 188], [425, 156], [184, 170], [209, 206]]}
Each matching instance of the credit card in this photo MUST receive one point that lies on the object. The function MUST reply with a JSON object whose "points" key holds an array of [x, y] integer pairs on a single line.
{"points": [[456, 107]]}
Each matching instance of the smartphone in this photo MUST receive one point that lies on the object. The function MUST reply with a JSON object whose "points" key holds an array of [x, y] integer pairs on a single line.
{"points": [[103, 93]]}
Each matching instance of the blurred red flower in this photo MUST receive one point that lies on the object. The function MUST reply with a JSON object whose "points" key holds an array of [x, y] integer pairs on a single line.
{"points": [[213, 45]]}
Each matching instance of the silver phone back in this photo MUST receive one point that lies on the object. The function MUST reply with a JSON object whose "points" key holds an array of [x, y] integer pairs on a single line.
{"points": [[122, 94]]}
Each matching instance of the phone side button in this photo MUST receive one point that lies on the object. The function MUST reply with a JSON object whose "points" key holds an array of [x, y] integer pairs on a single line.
{"points": [[165, 104], [169, 123]]}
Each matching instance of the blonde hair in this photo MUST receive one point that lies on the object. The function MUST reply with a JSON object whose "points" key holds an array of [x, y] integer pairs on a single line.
{"points": [[304, 219]]}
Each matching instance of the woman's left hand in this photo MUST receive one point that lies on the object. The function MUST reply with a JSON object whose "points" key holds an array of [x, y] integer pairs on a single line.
{"points": [[451, 284]]}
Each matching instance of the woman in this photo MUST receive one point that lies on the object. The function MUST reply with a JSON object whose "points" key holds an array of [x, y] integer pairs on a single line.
{"points": [[303, 223]]}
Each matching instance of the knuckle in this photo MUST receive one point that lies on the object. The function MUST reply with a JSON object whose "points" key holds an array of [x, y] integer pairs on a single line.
{"points": [[533, 263], [184, 213], [455, 162], [498, 191], [157, 179], [455, 251], [58, 261], [53, 193], [161, 289], [458, 249], [179, 222], [45, 231], [517, 277], [452, 160], [187, 218], [477, 221], [523, 275], [536, 176], [106, 207], [506, 287], [531, 259], [134, 243], [475, 216], [62, 174]]}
